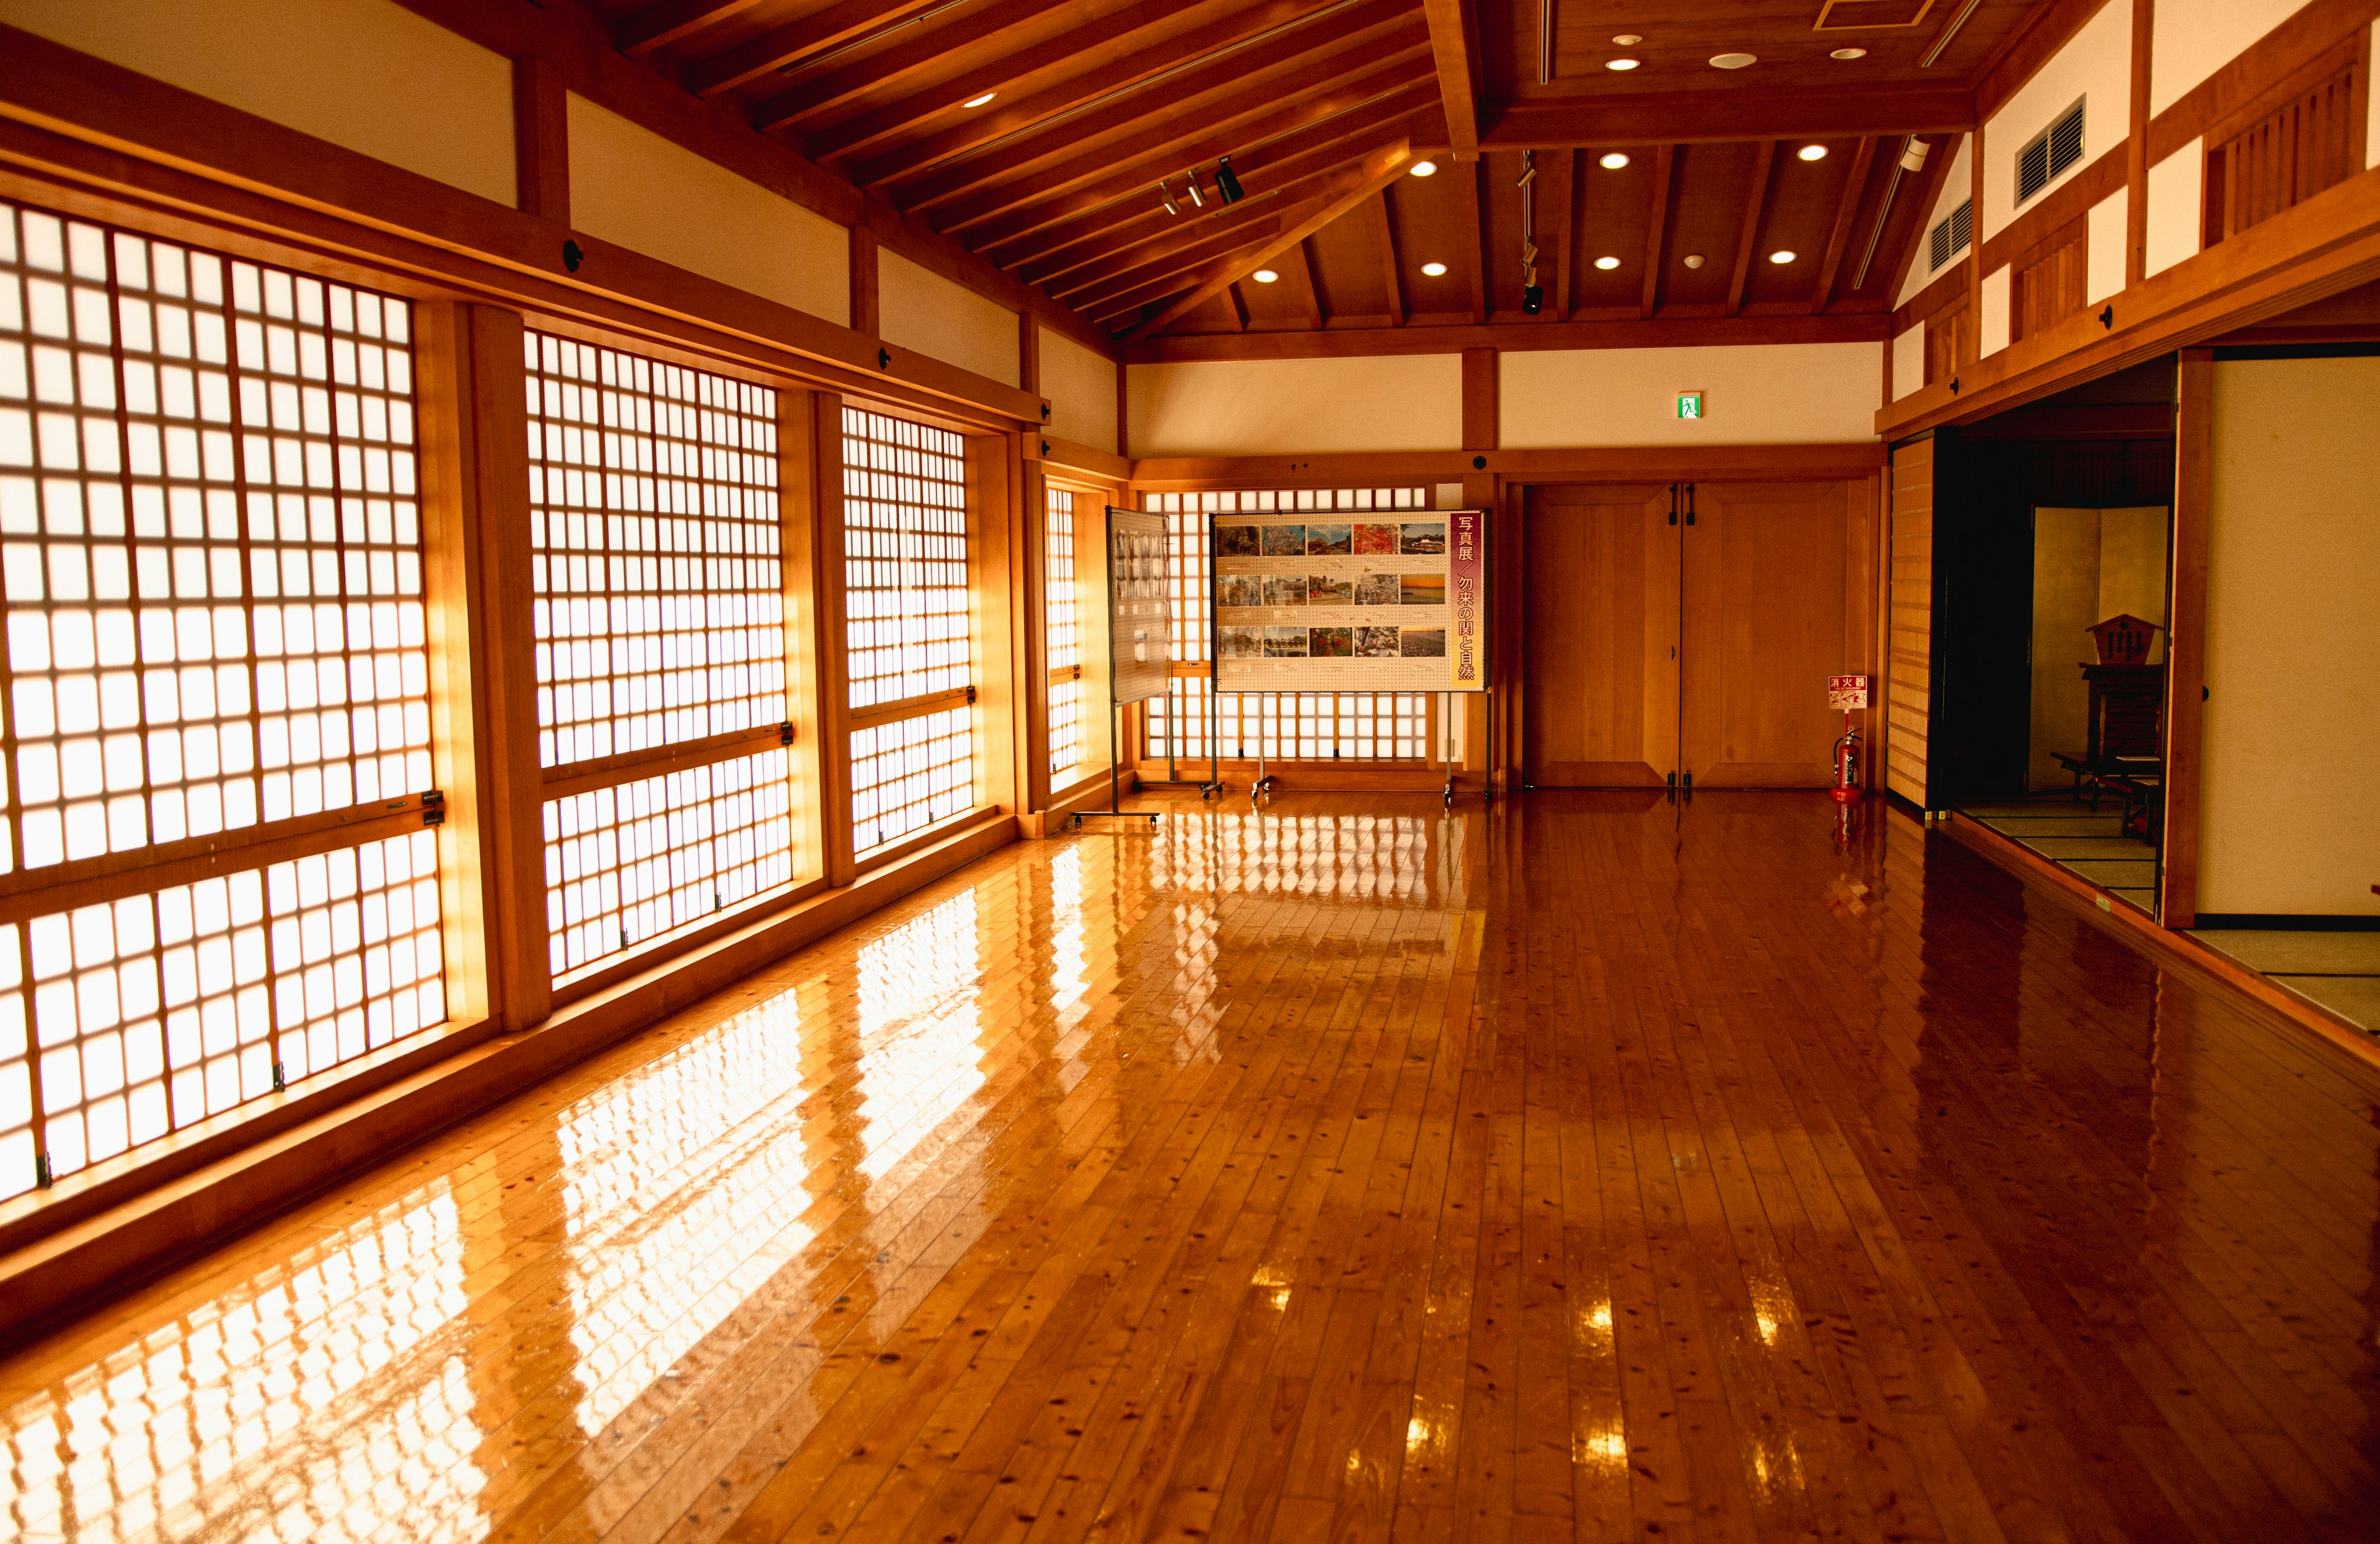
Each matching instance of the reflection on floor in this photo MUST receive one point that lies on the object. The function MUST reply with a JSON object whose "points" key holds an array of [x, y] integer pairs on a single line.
{"points": [[1591, 1167], [2091, 845], [2339, 970]]}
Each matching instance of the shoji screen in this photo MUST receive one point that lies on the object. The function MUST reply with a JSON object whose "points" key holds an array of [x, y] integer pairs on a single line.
{"points": [[907, 608], [215, 662], [659, 614], [1356, 726], [1062, 614]]}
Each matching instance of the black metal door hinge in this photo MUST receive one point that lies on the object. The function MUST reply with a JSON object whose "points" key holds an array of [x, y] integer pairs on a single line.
{"points": [[434, 808], [1673, 503]]}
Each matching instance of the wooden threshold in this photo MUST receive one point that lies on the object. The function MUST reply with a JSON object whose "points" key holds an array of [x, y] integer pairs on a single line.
{"points": [[72, 1251], [2177, 948], [1354, 777]]}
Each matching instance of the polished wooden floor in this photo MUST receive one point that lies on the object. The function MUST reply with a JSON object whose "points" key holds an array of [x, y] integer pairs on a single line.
{"points": [[1589, 1168]]}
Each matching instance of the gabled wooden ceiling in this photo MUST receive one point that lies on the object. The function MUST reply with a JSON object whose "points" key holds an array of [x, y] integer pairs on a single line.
{"points": [[1325, 105]]}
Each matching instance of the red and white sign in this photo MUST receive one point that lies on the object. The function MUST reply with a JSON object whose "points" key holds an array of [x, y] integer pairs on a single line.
{"points": [[1846, 692]]}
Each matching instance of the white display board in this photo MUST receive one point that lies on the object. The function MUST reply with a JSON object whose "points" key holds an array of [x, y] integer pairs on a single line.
{"points": [[1354, 600], [1140, 633]]}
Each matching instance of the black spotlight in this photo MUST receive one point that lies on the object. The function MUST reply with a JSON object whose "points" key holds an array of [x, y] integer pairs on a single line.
{"points": [[1533, 300], [1227, 182]]}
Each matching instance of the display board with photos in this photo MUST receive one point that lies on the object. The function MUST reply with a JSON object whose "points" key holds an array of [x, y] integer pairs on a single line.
{"points": [[1140, 614], [1354, 600]]}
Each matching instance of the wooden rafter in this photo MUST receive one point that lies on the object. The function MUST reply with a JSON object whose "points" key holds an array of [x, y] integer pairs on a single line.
{"points": [[1206, 98], [1239, 306], [1919, 193], [1839, 238], [1304, 267], [1710, 118], [907, 58], [671, 21], [1453, 49], [790, 44], [1002, 227], [1061, 251], [1089, 52], [1151, 264], [1747, 245], [1384, 231], [1665, 166], [1377, 171]]}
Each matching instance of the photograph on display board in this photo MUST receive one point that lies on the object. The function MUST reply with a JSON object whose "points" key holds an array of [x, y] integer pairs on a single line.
{"points": [[1140, 634], [1363, 600]]}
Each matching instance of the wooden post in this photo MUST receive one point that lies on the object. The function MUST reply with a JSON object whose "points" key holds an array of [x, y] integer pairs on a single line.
{"points": [[805, 628], [865, 318], [830, 635], [2136, 151], [996, 578], [461, 735], [514, 806], [1974, 257], [541, 139], [1032, 651], [1029, 356], [1481, 427], [2185, 638]]}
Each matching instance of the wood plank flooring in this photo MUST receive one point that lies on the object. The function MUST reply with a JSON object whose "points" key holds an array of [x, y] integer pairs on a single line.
{"points": [[1589, 1168]]}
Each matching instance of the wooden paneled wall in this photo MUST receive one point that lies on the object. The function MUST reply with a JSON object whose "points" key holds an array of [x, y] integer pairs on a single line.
{"points": [[1908, 662]]}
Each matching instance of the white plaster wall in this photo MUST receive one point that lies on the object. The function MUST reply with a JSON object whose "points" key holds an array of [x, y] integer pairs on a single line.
{"points": [[1992, 335], [2095, 66], [1080, 386], [1909, 361], [1775, 394], [366, 75], [920, 309], [1279, 407], [2292, 728], [635, 188], [1955, 188], [2104, 247], [2195, 38], [2176, 219]]}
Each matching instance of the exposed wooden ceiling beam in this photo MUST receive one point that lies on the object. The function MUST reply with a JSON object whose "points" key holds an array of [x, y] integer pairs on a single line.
{"points": [[790, 44], [1284, 131], [1747, 246], [1097, 67], [1384, 232], [1854, 191], [1157, 261], [1304, 268], [1665, 166], [1453, 44], [1246, 83], [1377, 171], [1711, 117], [930, 49], [654, 27], [1468, 206], [1919, 193], [1239, 306], [1516, 335]]}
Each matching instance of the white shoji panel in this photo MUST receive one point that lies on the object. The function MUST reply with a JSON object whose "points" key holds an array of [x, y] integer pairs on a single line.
{"points": [[656, 567], [629, 864], [1062, 620], [907, 774], [906, 598]]}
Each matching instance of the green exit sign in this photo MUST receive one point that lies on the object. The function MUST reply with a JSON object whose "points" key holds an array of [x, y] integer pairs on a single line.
{"points": [[1690, 405]]}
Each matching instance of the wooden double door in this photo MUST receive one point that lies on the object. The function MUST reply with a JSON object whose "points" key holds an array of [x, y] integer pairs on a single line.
{"points": [[1676, 630]]}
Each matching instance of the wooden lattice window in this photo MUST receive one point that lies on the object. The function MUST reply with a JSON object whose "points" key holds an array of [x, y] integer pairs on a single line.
{"points": [[657, 581], [214, 654], [1354, 726], [1062, 627], [2286, 156], [906, 612]]}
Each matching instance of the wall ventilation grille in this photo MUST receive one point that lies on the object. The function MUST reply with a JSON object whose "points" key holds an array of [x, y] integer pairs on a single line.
{"points": [[1951, 236], [2049, 154]]}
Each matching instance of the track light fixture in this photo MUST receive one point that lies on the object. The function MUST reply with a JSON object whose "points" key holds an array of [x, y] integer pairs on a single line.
{"points": [[1227, 182], [1165, 196], [1198, 198]]}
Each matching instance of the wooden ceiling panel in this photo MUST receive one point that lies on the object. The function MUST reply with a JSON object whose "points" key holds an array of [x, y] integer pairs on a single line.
{"points": [[1054, 179]]}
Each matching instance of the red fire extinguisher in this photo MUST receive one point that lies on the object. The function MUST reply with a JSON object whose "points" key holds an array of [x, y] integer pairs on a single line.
{"points": [[1847, 773]]}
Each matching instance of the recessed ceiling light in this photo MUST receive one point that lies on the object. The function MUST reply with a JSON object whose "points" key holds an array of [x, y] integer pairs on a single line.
{"points": [[1693, 259], [1812, 152], [1733, 61], [1424, 168], [1621, 64], [1433, 269], [1781, 256], [978, 101], [1265, 276], [1628, 40], [1614, 160], [1847, 54], [1607, 263]]}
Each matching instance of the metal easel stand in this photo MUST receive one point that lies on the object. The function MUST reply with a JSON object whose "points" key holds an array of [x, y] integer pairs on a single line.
{"points": [[1446, 740], [1214, 781], [1263, 784], [1114, 811]]}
